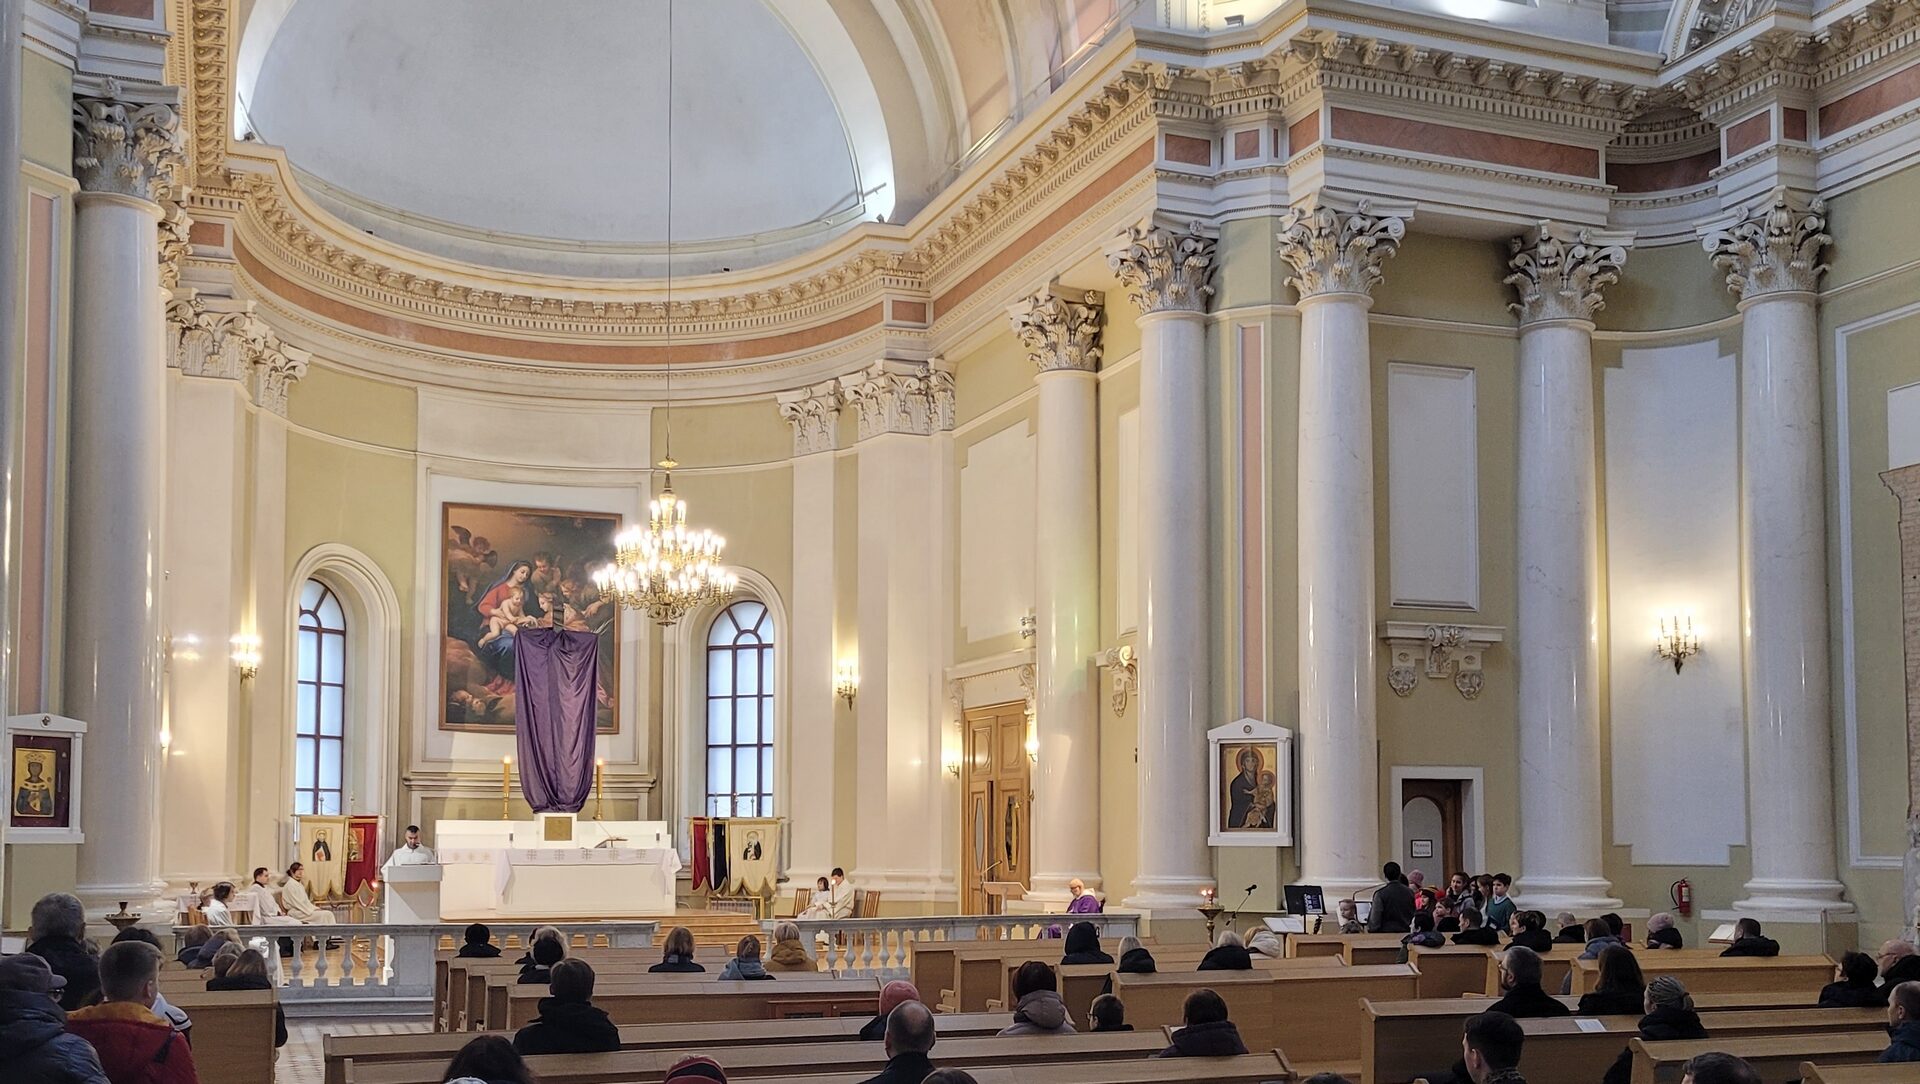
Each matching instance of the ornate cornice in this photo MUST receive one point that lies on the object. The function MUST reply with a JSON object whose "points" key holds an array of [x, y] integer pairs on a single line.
{"points": [[1164, 271], [210, 53], [1559, 272], [222, 338], [900, 397], [1772, 246], [1335, 252], [126, 147], [1059, 332], [814, 413]]}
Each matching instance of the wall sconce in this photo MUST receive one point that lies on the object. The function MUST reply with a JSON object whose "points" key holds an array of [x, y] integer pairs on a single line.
{"points": [[246, 655], [846, 681], [1677, 640], [1033, 741], [950, 760]]}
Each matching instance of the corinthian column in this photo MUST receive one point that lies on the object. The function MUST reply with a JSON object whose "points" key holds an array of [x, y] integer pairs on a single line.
{"points": [[1062, 334], [125, 155], [1558, 274], [1166, 275], [1336, 260], [1771, 253]]}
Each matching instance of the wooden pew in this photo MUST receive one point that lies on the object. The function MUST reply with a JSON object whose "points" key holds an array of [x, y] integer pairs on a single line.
{"points": [[1357, 949], [1559, 1051], [233, 1032], [1899, 1072], [1314, 1015], [1716, 975], [1245, 1069], [701, 1002], [1777, 1059], [466, 980], [1453, 971], [1079, 984], [975, 970], [375, 1049], [487, 994], [786, 1060]]}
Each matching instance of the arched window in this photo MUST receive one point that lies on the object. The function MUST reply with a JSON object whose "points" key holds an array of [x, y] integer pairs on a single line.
{"points": [[320, 703], [740, 712]]}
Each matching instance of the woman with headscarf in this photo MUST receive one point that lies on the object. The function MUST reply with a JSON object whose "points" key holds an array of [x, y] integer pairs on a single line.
{"points": [[1083, 946]]}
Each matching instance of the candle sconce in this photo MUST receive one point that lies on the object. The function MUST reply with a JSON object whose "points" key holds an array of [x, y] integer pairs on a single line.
{"points": [[1677, 640]]}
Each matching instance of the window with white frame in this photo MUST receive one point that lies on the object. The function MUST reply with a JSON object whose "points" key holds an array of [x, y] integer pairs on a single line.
{"points": [[740, 712], [320, 703]]}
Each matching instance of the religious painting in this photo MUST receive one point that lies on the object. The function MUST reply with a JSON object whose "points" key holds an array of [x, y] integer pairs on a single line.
{"points": [[323, 849], [509, 569], [41, 781], [753, 855], [1251, 773]]}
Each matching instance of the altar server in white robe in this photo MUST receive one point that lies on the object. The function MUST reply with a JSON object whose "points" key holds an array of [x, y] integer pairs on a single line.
{"points": [[412, 852], [298, 905], [214, 907], [266, 908], [835, 902]]}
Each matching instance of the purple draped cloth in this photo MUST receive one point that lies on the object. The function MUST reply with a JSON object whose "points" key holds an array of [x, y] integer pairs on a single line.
{"points": [[556, 676], [1084, 904]]}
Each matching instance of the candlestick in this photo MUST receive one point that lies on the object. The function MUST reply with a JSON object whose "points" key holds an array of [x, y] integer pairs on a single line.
{"points": [[599, 795], [506, 784]]}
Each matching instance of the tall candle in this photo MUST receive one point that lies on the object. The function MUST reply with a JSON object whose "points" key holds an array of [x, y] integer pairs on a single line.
{"points": [[506, 785], [599, 794]]}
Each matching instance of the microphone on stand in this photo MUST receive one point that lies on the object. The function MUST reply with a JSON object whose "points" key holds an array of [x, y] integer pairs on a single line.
{"points": [[1235, 913]]}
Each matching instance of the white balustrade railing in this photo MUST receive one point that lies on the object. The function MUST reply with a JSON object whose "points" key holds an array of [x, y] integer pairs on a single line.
{"points": [[883, 946], [383, 961]]}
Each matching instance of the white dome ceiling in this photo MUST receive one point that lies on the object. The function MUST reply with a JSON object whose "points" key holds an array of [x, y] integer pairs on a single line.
{"points": [[449, 126]]}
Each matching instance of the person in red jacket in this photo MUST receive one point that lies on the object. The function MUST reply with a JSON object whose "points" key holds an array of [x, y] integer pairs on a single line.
{"points": [[135, 1046]]}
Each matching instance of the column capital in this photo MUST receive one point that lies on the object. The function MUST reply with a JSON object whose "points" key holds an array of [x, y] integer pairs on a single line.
{"points": [[126, 147], [1559, 271], [1340, 252], [220, 337], [814, 413], [1060, 329], [1164, 271], [1770, 247], [893, 396]]}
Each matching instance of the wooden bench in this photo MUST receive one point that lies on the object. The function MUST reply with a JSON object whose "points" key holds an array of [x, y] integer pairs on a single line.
{"points": [[233, 1032], [1897, 1072], [1079, 984], [1357, 949], [463, 982], [1245, 1069], [374, 1049], [1777, 1059], [1563, 1051], [1314, 1015], [787, 1060], [487, 994], [975, 970], [1714, 974], [701, 1002]]}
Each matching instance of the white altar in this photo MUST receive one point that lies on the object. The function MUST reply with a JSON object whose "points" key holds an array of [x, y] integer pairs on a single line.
{"points": [[555, 867]]}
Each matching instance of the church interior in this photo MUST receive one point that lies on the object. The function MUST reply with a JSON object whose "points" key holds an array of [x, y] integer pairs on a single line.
{"points": [[950, 489]]}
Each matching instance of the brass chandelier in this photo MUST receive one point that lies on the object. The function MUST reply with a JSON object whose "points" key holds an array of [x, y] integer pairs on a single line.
{"points": [[667, 568]]}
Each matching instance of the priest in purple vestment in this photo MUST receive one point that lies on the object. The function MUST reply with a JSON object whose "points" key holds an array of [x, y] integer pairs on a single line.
{"points": [[1084, 902]]}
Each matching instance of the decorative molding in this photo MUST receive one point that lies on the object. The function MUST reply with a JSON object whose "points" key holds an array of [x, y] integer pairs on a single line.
{"points": [[1559, 272], [1061, 330], [892, 396], [1338, 253], [1120, 663], [221, 337], [1445, 652], [814, 413], [174, 246], [1164, 271], [126, 147], [1772, 246]]}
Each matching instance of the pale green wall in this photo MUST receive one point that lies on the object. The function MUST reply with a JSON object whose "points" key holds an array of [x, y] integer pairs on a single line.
{"points": [[46, 112], [358, 408], [1670, 287]]}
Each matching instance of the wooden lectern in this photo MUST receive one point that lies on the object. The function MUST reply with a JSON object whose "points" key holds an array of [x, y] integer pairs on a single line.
{"points": [[999, 892]]}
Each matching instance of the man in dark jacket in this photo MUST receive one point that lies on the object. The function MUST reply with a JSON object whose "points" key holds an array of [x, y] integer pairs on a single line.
{"points": [[135, 1046], [1392, 910], [1083, 946], [479, 944], [34, 1044], [1207, 1033], [1522, 998], [909, 1038], [569, 1023], [1572, 930], [1472, 932], [1490, 1046], [58, 935], [1898, 964], [1670, 1016], [1748, 942], [1903, 1023], [546, 952], [1854, 987]]}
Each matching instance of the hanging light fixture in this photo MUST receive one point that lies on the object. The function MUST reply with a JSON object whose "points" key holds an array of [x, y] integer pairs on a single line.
{"points": [[667, 568]]}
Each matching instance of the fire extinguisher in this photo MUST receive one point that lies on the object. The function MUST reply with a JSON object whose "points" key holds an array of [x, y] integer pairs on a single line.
{"points": [[1682, 892]]}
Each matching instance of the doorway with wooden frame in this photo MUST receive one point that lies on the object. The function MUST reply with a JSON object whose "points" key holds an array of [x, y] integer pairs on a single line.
{"points": [[997, 792], [1432, 815]]}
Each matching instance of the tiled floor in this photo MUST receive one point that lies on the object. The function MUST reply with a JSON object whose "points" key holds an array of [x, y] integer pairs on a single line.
{"points": [[302, 1060]]}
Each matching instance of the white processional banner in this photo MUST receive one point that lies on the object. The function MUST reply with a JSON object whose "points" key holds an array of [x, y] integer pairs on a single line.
{"points": [[753, 855]]}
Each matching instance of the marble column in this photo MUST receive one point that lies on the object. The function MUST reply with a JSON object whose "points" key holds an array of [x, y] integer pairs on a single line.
{"points": [[1771, 253], [126, 155], [814, 715], [1336, 258], [1905, 484], [1166, 274], [1061, 331], [1558, 274]]}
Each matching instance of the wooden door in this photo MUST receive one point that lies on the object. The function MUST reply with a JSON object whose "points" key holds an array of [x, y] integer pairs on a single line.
{"points": [[996, 794], [1418, 796]]}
